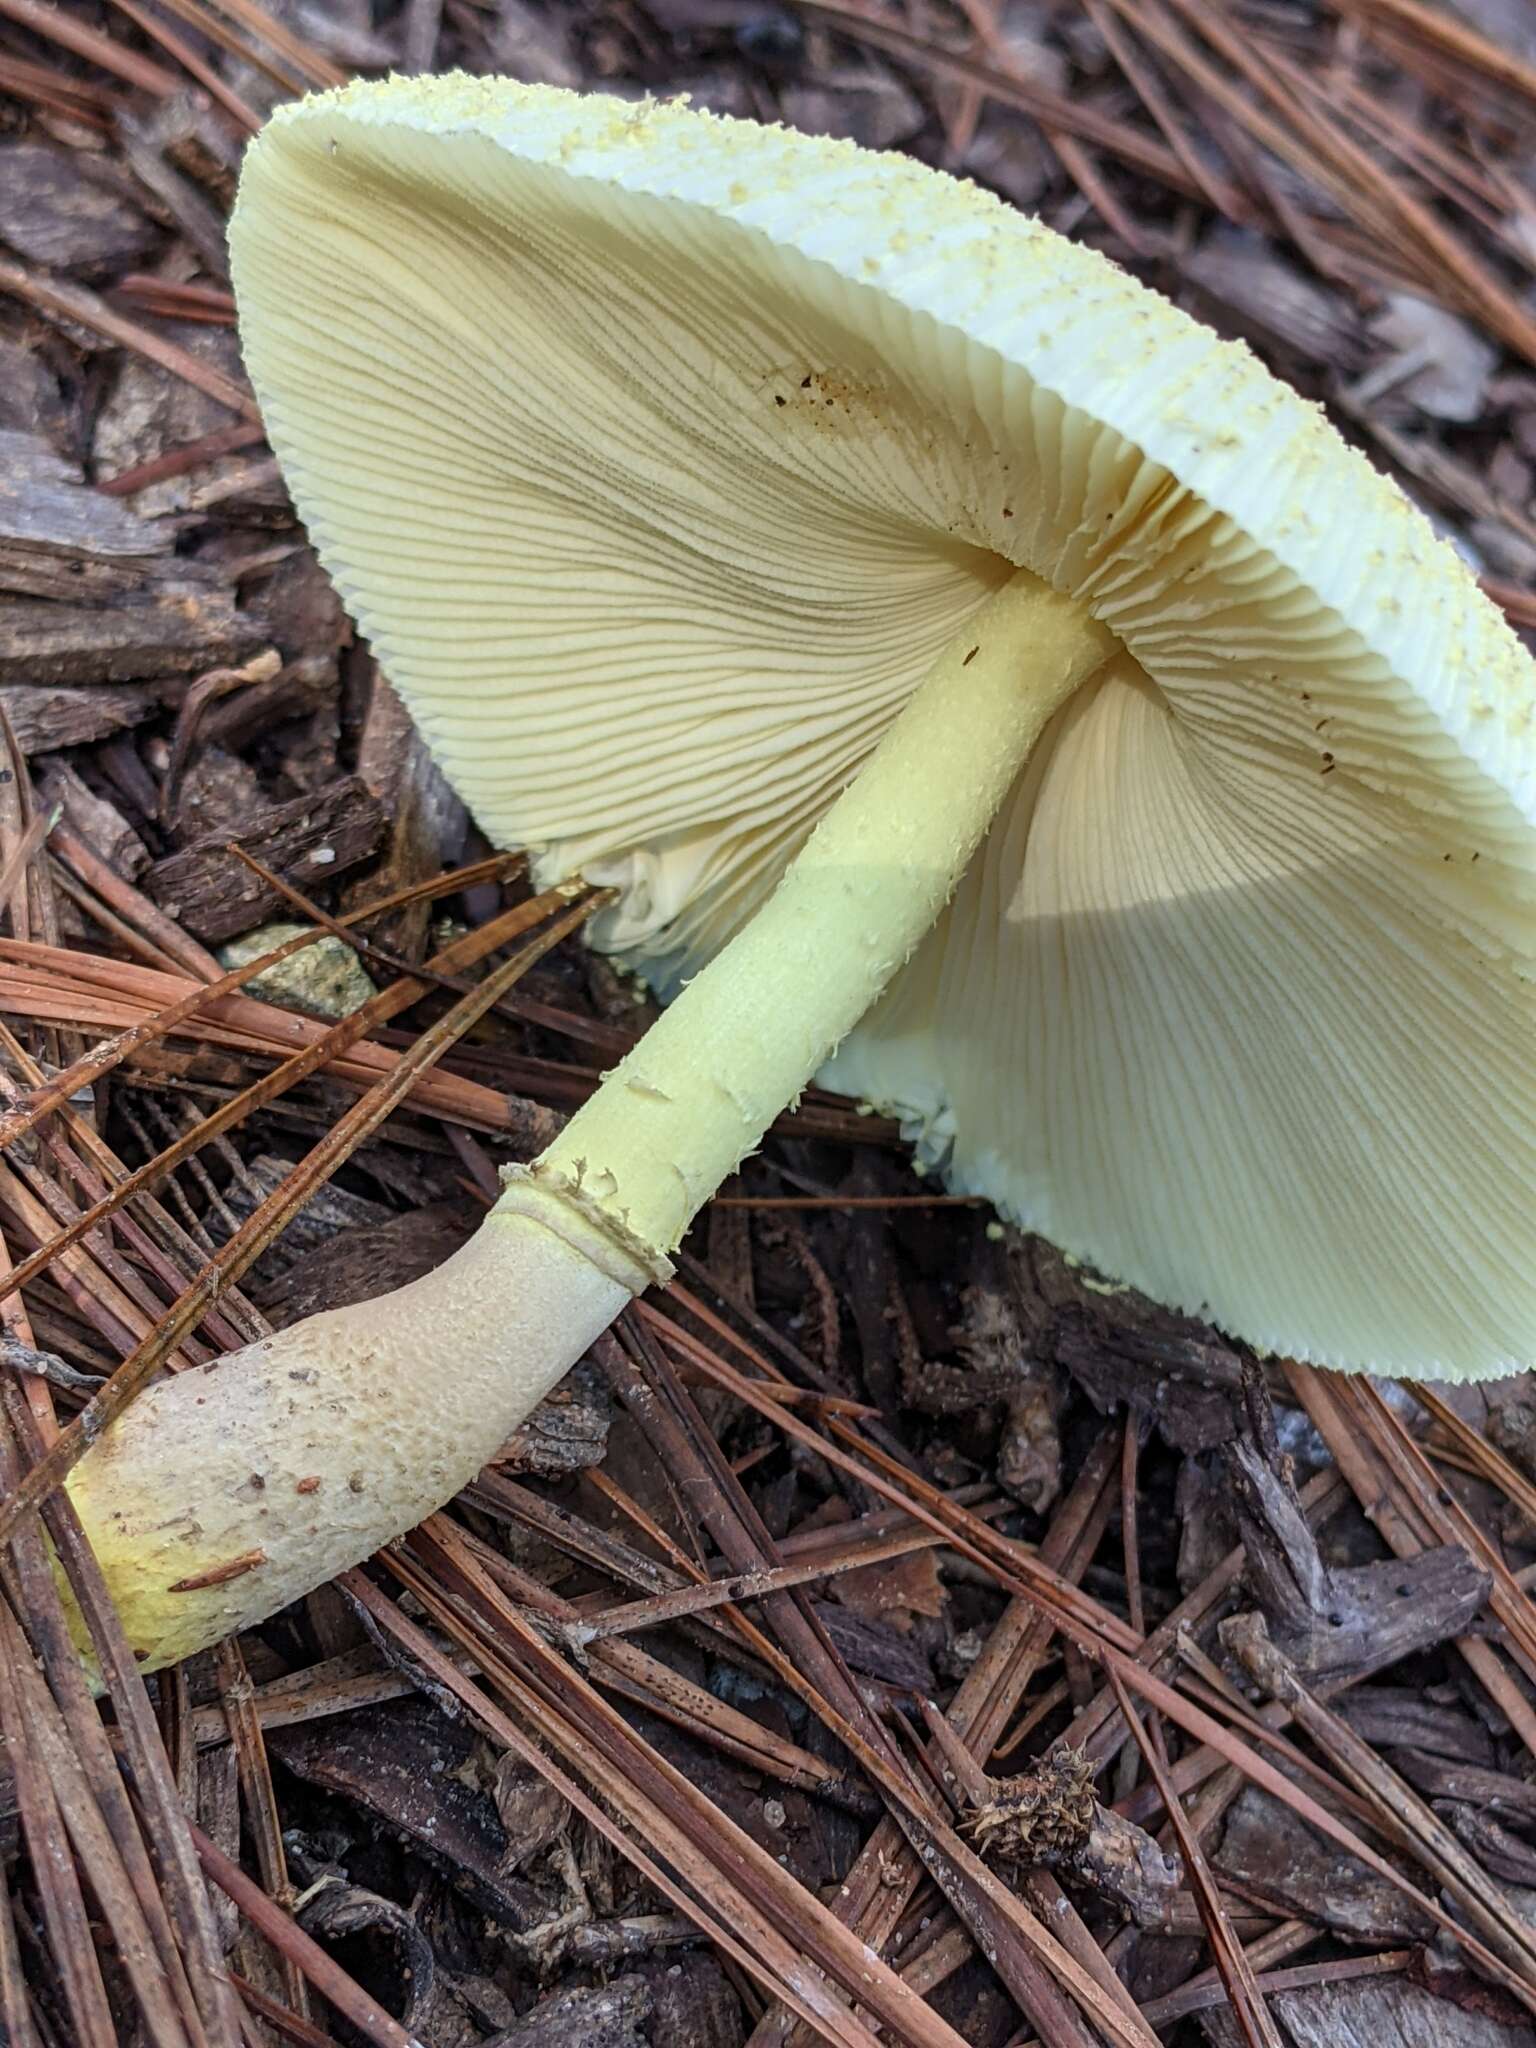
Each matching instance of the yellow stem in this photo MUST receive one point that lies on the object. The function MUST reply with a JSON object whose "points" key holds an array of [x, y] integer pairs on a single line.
{"points": [[746, 1035]]}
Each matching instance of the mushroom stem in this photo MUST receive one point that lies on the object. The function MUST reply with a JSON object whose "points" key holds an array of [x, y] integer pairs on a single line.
{"points": [[223, 1494], [742, 1039]]}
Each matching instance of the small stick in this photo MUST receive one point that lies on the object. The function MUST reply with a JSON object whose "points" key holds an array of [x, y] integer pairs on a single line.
{"points": [[73, 302], [56, 26], [177, 461]]}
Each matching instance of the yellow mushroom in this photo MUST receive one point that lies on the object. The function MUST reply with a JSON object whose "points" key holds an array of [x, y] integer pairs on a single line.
{"points": [[986, 690]]}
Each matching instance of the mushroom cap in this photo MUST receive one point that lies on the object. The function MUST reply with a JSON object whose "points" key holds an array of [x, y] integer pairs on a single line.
{"points": [[659, 455]]}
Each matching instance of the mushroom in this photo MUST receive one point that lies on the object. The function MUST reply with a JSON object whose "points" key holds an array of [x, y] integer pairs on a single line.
{"points": [[984, 688]]}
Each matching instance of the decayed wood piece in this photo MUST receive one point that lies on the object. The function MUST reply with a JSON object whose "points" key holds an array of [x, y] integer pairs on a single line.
{"points": [[89, 816], [1391, 2012], [307, 842], [336, 1910], [1007, 1348], [175, 628], [1123, 1864], [1487, 1792], [1504, 1855], [70, 211], [1251, 289], [31, 401], [566, 1433], [619, 2014], [344, 1248], [1271, 1855], [47, 716], [1401, 1717], [1332, 1623], [1125, 1350], [60, 539], [410, 1767], [148, 142], [297, 690]]}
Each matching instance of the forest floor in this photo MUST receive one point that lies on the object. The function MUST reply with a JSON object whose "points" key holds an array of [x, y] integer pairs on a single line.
{"points": [[783, 1663]]}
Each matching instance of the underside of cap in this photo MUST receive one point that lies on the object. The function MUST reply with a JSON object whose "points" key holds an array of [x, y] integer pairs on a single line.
{"points": [[659, 456]]}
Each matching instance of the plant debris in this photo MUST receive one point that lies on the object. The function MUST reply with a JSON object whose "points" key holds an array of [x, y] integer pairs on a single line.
{"points": [[1042, 1813], [890, 1631]]}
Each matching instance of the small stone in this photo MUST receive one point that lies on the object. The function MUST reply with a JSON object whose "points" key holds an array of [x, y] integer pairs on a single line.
{"points": [[324, 980]]}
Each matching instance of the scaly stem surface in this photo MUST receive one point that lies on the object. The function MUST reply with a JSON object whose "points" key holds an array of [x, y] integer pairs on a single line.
{"points": [[221, 1495]]}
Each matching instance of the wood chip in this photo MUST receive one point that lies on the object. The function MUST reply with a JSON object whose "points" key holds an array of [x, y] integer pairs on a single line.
{"points": [[59, 539], [68, 211], [46, 717], [176, 629], [308, 842]]}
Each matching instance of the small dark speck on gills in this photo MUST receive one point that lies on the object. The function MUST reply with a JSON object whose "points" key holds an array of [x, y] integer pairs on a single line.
{"points": [[970, 657]]}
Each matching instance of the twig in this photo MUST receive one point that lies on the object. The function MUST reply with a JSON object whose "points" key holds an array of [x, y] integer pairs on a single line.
{"points": [[1237, 1975], [177, 461], [74, 302], [243, 115], [55, 26]]}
